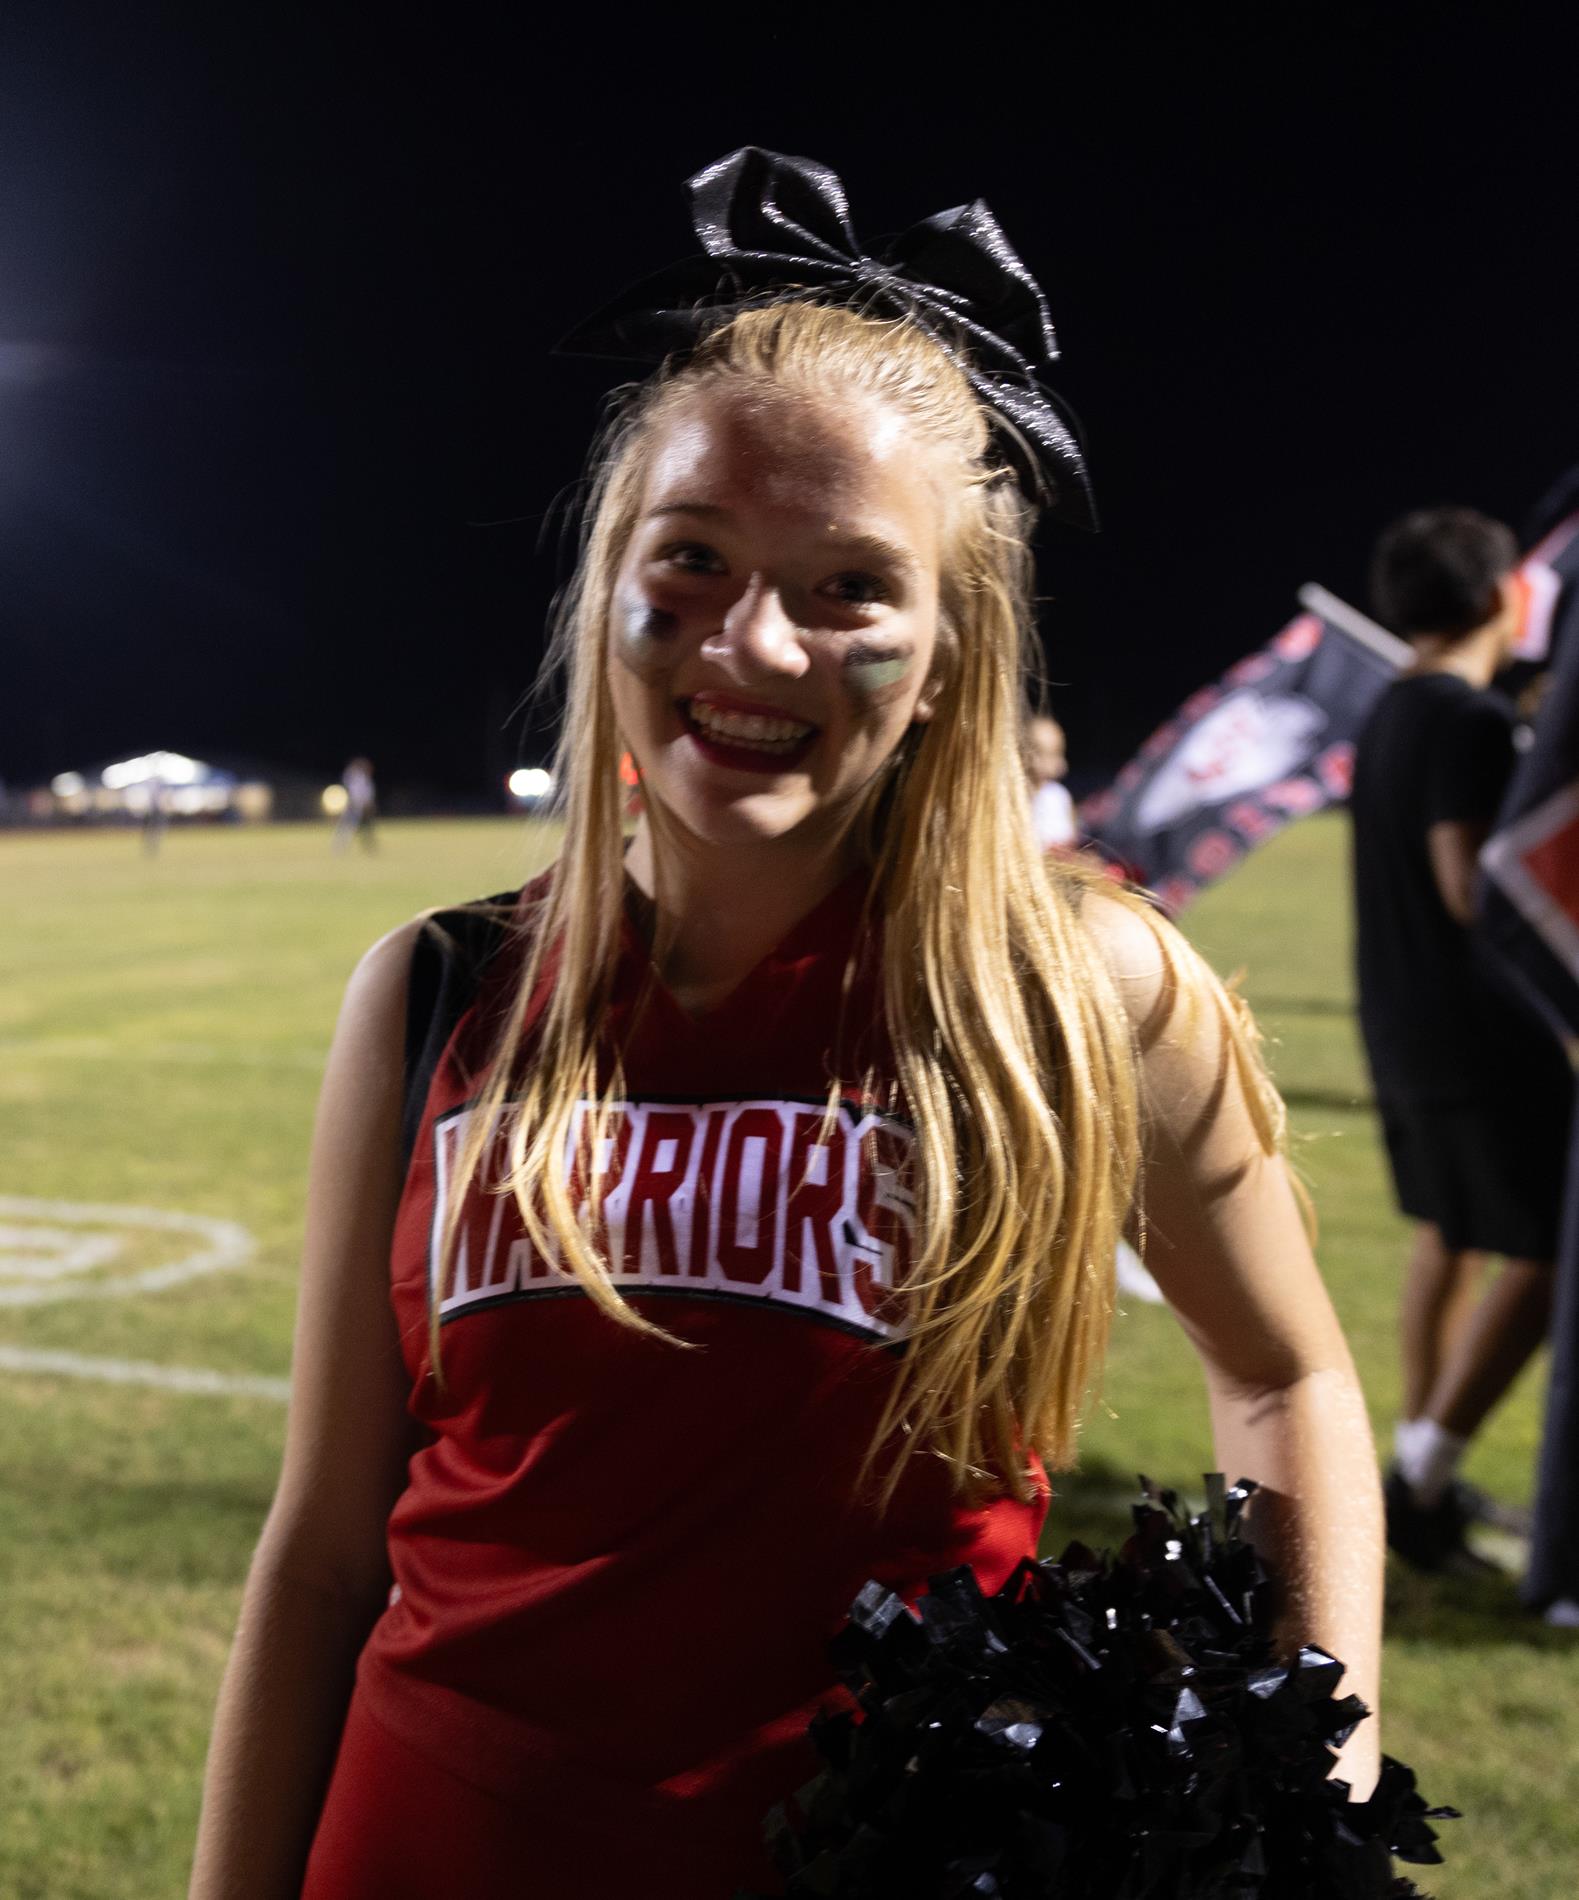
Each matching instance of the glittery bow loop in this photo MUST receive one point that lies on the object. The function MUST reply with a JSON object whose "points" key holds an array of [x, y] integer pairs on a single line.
{"points": [[761, 205], [769, 224]]}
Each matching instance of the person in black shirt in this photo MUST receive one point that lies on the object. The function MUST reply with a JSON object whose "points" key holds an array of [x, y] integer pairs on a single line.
{"points": [[1473, 1094]]}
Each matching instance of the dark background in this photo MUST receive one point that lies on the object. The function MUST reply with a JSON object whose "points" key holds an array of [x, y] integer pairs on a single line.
{"points": [[285, 461]]}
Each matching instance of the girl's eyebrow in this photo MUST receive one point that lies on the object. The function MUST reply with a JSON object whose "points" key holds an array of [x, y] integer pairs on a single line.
{"points": [[876, 548], [708, 510], [879, 550]]}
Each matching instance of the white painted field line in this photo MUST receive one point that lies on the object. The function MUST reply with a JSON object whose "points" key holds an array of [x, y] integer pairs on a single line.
{"points": [[76, 1365], [223, 1246], [106, 1049]]}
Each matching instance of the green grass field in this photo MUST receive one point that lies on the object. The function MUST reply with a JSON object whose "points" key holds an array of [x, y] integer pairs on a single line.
{"points": [[162, 1026]]}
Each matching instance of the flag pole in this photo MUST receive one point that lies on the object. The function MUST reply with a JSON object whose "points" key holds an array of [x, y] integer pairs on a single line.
{"points": [[1385, 645]]}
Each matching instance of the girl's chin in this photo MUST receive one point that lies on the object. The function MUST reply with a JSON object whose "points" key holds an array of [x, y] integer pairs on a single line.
{"points": [[745, 816], [752, 821]]}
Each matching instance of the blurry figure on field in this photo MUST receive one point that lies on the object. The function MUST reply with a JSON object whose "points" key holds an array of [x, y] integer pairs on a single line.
{"points": [[1047, 765], [361, 806], [1473, 1094], [156, 815]]}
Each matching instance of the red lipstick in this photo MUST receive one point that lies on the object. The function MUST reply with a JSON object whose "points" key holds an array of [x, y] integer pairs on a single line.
{"points": [[743, 752]]}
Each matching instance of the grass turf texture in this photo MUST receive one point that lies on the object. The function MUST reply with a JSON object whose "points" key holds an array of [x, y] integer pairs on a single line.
{"points": [[163, 1024]]}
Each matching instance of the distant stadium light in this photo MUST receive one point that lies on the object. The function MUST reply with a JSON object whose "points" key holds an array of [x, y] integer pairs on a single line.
{"points": [[170, 768], [530, 783], [334, 801], [68, 784], [194, 801]]}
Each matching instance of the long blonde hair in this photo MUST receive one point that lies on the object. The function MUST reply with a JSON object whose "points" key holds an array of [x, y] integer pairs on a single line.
{"points": [[1014, 1058]]}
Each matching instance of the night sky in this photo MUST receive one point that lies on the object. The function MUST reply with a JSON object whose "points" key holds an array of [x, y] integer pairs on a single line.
{"points": [[285, 461]]}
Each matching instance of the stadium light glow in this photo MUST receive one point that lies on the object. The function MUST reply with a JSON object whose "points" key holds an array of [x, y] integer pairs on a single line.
{"points": [[167, 784], [196, 801], [170, 768], [530, 782]]}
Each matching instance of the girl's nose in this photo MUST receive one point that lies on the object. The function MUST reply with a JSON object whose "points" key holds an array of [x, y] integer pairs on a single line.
{"points": [[758, 638]]}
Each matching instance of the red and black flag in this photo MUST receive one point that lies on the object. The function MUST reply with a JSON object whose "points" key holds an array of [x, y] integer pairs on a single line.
{"points": [[1529, 920], [1548, 573], [1530, 895], [1271, 741]]}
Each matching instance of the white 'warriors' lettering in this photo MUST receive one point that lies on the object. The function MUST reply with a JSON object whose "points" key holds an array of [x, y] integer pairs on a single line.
{"points": [[757, 1200]]}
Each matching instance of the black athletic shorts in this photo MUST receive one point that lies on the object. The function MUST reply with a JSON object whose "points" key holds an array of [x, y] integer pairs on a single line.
{"points": [[1487, 1173]]}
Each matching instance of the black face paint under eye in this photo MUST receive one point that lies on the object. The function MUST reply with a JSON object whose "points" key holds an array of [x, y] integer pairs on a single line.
{"points": [[642, 633]]}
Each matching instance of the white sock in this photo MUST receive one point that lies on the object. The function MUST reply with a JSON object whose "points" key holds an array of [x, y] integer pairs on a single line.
{"points": [[1427, 1456]]}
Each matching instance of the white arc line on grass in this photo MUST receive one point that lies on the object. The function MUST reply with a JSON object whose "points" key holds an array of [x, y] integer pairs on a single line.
{"points": [[48, 1253], [224, 1245], [75, 1365]]}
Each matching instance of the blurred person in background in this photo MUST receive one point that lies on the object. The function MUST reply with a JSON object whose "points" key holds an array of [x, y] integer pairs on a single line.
{"points": [[1047, 766], [156, 815], [1473, 1094], [361, 806]]}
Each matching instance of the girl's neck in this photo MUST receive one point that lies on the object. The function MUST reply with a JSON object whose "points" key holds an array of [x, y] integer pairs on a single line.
{"points": [[722, 908]]}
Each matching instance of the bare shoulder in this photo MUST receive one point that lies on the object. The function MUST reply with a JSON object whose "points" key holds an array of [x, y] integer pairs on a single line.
{"points": [[368, 1054], [1197, 1041], [1159, 978], [375, 996], [383, 966]]}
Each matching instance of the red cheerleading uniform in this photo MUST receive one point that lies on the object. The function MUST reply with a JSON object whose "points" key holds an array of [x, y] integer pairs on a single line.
{"points": [[618, 1562]]}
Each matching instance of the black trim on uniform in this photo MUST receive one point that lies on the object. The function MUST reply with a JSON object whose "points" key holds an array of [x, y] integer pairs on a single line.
{"points": [[647, 1290], [452, 950]]}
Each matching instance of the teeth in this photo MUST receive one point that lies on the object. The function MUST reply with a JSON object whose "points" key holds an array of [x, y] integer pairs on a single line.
{"points": [[753, 729]]}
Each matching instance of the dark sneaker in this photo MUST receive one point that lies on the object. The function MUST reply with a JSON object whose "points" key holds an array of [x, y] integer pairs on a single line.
{"points": [[1431, 1539]]}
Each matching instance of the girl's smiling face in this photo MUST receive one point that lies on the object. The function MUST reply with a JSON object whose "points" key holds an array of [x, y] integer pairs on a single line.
{"points": [[774, 621]]}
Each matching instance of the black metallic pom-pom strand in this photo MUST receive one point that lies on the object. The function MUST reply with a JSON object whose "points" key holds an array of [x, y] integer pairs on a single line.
{"points": [[1101, 1729]]}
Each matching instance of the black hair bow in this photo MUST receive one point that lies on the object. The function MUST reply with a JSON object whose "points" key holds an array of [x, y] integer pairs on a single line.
{"points": [[770, 223]]}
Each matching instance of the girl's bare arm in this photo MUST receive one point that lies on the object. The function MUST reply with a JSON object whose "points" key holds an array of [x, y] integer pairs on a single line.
{"points": [[319, 1577], [1227, 1245]]}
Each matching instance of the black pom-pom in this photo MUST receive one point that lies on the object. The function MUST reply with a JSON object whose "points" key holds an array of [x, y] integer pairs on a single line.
{"points": [[1101, 1729]]}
